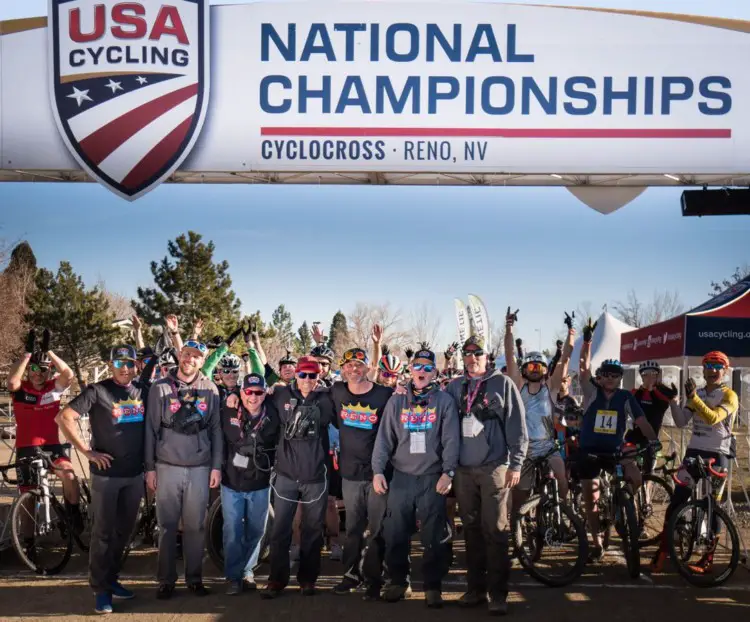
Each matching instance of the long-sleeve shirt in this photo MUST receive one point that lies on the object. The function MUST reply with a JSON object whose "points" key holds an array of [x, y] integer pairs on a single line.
{"points": [[418, 437], [165, 444], [713, 416]]}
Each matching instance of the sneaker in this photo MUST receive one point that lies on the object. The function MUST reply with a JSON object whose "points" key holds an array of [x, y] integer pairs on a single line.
{"points": [[120, 592], [273, 590], [294, 553], [347, 585], [394, 593], [337, 553], [372, 593], [596, 555], [497, 605], [103, 603], [249, 584], [165, 592], [434, 599], [234, 588], [472, 598], [308, 589], [199, 589]]}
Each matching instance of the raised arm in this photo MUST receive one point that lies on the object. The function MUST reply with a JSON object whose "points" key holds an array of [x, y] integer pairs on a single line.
{"points": [[377, 336], [137, 331], [65, 379], [561, 369], [510, 356], [173, 326], [711, 415], [585, 364]]}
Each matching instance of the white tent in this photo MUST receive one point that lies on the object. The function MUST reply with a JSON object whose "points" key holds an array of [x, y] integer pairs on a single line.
{"points": [[605, 343]]}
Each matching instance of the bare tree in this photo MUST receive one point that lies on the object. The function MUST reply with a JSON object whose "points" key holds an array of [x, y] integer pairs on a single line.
{"points": [[636, 313], [119, 305], [631, 311], [741, 272], [425, 324], [583, 313], [365, 315]]}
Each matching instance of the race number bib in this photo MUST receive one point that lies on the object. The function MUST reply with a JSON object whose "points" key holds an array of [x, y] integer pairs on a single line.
{"points": [[606, 422], [471, 427], [417, 443]]}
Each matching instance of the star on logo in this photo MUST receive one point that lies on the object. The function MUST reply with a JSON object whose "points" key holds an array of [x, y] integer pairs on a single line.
{"points": [[80, 96], [115, 86], [141, 80]]}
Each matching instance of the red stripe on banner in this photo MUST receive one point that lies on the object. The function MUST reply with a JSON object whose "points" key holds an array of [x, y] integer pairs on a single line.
{"points": [[158, 156], [495, 132], [98, 145]]}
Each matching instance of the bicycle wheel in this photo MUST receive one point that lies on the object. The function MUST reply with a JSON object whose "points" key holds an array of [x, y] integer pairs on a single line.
{"points": [[215, 534], [651, 503], [550, 541], [82, 536], [265, 542], [705, 555], [44, 546], [627, 527]]}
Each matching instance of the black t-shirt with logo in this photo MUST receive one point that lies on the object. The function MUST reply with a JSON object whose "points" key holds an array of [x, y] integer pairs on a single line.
{"points": [[116, 415], [358, 419]]}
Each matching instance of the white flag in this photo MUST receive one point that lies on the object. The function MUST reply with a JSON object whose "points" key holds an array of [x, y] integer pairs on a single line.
{"points": [[462, 320], [480, 320]]}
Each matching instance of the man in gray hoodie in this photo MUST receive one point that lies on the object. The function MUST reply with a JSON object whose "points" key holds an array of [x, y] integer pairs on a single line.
{"points": [[493, 447], [183, 457], [419, 437]]}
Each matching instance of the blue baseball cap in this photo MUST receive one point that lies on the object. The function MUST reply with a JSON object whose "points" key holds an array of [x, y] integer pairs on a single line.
{"points": [[255, 381], [123, 352]]}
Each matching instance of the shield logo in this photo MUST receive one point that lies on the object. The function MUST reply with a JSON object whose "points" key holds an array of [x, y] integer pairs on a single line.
{"points": [[129, 86]]}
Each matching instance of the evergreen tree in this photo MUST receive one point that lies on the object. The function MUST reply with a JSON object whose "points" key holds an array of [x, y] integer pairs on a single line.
{"points": [[191, 286], [303, 342], [281, 322], [79, 318], [338, 336]]}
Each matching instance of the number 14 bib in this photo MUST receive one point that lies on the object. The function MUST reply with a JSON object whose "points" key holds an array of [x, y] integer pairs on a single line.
{"points": [[606, 422]]}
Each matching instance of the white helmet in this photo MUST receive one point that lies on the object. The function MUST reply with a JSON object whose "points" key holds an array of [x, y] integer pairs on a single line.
{"points": [[534, 357], [649, 366], [230, 361]]}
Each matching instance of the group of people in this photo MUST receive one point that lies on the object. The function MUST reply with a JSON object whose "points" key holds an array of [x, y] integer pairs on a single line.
{"points": [[406, 442]]}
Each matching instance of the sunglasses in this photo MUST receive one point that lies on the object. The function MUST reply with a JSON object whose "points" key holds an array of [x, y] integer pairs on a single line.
{"points": [[303, 375], [713, 366], [534, 366], [388, 374], [477, 353], [227, 370], [197, 345], [121, 364], [423, 367], [256, 392], [355, 355], [610, 374], [38, 368]]}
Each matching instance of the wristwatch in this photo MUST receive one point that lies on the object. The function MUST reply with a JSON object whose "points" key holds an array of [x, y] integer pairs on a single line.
{"points": [[450, 474]]}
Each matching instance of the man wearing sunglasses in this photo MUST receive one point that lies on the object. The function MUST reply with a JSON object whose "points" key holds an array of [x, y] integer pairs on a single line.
{"points": [[183, 458], [713, 410], [389, 369], [419, 438], [251, 432], [116, 409], [36, 402], [305, 411], [324, 355], [359, 406], [608, 409], [493, 448]]}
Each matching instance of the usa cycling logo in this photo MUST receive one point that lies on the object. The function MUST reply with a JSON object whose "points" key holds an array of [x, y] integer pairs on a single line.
{"points": [[129, 86]]}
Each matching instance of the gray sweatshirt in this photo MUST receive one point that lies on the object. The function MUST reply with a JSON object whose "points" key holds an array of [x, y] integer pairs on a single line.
{"points": [[418, 440], [502, 436], [166, 445]]}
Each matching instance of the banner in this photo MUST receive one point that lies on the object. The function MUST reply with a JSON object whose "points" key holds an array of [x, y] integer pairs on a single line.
{"points": [[368, 87], [462, 321], [480, 320], [658, 341], [730, 335]]}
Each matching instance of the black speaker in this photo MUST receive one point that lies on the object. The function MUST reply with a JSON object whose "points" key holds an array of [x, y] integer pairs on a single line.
{"points": [[724, 202]]}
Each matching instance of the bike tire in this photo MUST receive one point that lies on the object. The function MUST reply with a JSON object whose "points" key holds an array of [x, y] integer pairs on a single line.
{"points": [[66, 534], [83, 539], [705, 580], [661, 489], [215, 534], [628, 530], [527, 562]]}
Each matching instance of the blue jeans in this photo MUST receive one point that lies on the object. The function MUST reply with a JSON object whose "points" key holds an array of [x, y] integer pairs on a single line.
{"points": [[245, 515]]}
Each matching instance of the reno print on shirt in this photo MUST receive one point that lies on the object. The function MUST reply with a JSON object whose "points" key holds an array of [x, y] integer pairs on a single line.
{"points": [[418, 418], [358, 416], [128, 411]]}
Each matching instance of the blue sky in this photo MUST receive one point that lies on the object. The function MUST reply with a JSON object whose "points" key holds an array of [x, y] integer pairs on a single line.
{"points": [[321, 248]]}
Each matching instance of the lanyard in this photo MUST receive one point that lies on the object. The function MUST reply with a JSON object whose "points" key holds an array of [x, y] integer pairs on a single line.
{"points": [[471, 396], [258, 423]]}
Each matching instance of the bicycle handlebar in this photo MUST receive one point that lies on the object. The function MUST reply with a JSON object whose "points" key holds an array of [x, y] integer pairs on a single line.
{"points": [[703, 465]]}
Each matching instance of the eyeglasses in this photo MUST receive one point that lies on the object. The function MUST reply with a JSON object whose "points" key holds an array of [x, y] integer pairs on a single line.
{"points": [[713, 366], [201, 347], [388, 374], [477, 352], [423, 367], [121, 364], [38, 368], [357, 355], [256, 392], [534, 367], [227, 370], [307, 375], [611, 374]]}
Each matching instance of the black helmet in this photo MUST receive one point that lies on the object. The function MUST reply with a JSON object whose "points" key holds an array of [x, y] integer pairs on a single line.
{"points": [[287, 359], [40, 358], [323, 351]]}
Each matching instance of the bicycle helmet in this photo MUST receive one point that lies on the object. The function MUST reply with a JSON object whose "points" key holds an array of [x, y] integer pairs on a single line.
{"points": [[716, 357], [168, 359], [533, 357], [649, 366], [389, 362], [230, 361], [287, 359], [612, 366], [41, 359], [323, 351]]}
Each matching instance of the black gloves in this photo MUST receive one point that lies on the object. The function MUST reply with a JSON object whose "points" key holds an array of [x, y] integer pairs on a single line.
{"points": [[30, 341], [409, 353], [690, 387], [231, 339], [569, 320], [588, 330], [215, 342], [669, 392], [46, 336]]}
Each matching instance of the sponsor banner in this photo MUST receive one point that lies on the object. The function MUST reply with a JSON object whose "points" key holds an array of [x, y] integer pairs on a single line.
{"points": [[658, 341], [480, 320], [732, 302], [121, 89], [462, 321], [729, 335]]}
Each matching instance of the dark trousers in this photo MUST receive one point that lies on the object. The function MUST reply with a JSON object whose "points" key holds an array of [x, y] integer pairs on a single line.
{"points": [[413, 497], [363, 558], [484, 504], [114, 509], [313, 499]]}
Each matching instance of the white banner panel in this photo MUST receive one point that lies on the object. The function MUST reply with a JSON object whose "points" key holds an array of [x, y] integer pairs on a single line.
{"points": [[387, 87]]}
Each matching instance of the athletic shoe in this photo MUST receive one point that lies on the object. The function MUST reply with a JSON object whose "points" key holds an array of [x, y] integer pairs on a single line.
{"points": [[308, 589], [273, 590], [234, 588], [497, 605], [472, 598], [346, 586], [165, 592], [120, 592], [394, 593], [199, 589], [103, 603]]}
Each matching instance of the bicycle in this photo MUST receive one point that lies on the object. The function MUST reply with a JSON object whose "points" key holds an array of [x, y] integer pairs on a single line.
{"points": [[546, 523], [38, 518], [146, 530], [652, 500], [694, 529]]}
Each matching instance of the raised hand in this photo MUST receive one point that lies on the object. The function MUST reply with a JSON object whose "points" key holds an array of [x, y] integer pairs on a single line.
{"points": [[377, 333], [511, 318], [317, 334], [136, 322], [409, 353], [569, 320], [588, 330], [197, 328], [30, 341], [173, 324], [690, 388], [46, 338]]}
